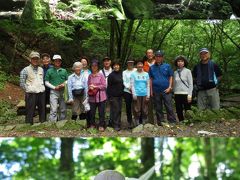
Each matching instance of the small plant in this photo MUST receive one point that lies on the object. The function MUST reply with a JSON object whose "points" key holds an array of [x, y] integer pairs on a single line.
{"points": [[3, 79], [7, 112]]}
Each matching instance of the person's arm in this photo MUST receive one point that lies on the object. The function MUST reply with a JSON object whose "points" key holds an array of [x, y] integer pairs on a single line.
{"points": [[133, 87], [23, 78], [126, 85], [69, 84], [47, 83], [170, 71], [148, 88], [85, 87], [190, 84], [218, 72]]}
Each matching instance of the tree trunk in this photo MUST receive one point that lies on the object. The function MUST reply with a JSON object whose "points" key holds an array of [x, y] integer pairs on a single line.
{"points": [[147, 157], [112, 40], [209, 159], [161, 143], [177, 158], [66, 159]]}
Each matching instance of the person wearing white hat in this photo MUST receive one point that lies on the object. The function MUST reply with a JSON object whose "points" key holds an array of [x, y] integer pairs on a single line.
{"points": [[32, 82], [55, 79], [127, 90]]}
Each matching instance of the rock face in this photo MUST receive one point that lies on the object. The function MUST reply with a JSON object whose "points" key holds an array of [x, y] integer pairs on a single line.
{"points": [[12, 5]]}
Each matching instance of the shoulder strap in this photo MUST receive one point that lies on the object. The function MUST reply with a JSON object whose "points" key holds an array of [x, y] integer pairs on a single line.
{"points": [[182, 80], [104, 73]]}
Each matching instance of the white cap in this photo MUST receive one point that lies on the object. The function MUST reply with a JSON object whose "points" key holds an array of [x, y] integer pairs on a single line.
{"points": [[57, 57]]}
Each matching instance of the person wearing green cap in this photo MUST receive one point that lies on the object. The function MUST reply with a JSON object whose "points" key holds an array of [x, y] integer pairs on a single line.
{"points": [[32, 82]]}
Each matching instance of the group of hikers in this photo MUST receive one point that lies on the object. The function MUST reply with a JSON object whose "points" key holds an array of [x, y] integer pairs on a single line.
{"points": [[144, 82]]}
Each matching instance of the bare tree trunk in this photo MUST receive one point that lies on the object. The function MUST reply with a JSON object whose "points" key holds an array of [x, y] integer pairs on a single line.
{"points": [[112, 39], [66, 159], [177, 161], [161, 143], [209, 159], [147, 157]]}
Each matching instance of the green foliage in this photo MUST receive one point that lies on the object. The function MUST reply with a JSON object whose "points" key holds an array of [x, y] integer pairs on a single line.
{"points": [[62, 6], [3, 79], [7, 112], [35, 10]]}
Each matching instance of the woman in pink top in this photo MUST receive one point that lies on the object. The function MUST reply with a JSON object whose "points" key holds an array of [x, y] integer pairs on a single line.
{"points": [[97, 81]]}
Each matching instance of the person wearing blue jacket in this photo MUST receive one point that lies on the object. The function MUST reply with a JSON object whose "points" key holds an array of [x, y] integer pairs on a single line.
{"points": [[161, 75]]}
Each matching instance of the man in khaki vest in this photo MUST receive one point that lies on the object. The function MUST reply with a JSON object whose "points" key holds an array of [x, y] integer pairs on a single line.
{"points": [[32, 82]]}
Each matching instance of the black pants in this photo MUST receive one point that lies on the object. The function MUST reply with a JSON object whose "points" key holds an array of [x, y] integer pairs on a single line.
{"points": [[32, 100], [166, 99], [101, 112], [115, 111], [128, 101], [181, 104]]}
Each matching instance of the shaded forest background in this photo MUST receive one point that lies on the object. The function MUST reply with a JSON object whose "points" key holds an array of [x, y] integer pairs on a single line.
{"points": [[120, 40], [74, 158]]}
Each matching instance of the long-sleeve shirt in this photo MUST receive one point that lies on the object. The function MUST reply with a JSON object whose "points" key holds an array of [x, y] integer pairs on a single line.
{"points": [[77, 82], [99, 81], [140, 84], [178, 86], [126, 80], [55, 77], [115, 84], [23, 77]]}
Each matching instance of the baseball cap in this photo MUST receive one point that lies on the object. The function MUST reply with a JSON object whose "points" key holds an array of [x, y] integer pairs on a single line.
{"points": [[203, 50], [56, 56], [106, 58], [34, 54], [159, 53]]}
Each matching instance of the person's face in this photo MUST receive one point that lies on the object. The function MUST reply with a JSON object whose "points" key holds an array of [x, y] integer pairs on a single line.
{"points": [[149, 54], [158, 59], [107, 63], [35, 61], [116, 67], [94, 68], [130, 65], [46, 61], [84, 63], [57, 63], [78, 69], [204, 56], [180, 63], [139, 66]]}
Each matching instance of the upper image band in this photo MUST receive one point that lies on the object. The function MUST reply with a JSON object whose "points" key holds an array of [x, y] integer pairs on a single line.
{"points": [[120, 9]]}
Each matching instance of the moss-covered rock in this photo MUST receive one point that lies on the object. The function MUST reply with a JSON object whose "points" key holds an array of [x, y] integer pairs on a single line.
{"points": [[212, 115], [135, 9]]}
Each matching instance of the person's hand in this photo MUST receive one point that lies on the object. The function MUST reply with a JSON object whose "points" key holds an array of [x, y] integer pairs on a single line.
{"points": [[70, 101], [147, 98], [57, 88], [61, 85], [189, 99], [168, 90], [91, 87], [134, 97]]}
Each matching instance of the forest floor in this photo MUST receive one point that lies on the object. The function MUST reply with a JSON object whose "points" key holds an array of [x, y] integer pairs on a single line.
{"points": [[15, 127]]}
